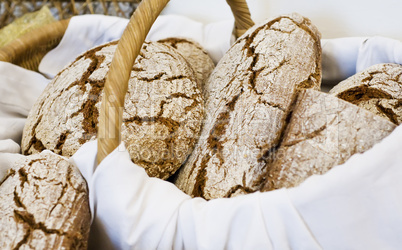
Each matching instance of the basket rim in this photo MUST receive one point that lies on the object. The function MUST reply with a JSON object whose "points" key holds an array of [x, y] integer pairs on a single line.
{"points": [[49, 34]]}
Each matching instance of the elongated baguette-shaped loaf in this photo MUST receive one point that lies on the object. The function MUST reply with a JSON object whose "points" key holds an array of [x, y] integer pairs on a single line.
{"points": [[162, 113], [377, 89], [324, 131], [44, 205], [251, 91]]}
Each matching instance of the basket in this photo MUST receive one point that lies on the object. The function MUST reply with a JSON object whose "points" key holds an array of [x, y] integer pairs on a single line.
{"points": [[64, 9], [130, 43], [28, 50]]}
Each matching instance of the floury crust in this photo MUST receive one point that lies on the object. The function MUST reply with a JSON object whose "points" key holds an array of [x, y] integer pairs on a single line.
{"points": [[161, 118]]}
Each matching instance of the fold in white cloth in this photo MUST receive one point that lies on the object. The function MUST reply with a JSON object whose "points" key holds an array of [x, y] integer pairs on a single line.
{"points": [[19, 89], [357, 204], [354, 205], [88, 31], [344, 57], [377, 50], [339, 57], [83, 33], [146, 213]]}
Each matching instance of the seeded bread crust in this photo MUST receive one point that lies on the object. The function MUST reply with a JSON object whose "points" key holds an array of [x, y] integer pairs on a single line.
{"points": [[324, 131], [161, 118], [44, 205], [377, 89], [251, 92]]}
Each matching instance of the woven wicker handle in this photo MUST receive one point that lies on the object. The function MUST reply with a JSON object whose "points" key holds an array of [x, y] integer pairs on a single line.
{"points": [[128, 48]]}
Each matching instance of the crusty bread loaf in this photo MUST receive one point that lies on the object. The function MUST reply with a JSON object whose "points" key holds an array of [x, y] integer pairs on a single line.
{"points": [[196, 56], [377, 89], [252, 89], [324, 131], [44, 205], [161, 118]]}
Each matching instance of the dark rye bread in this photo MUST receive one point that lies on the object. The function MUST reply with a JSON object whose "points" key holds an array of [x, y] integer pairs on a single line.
{"points": [[161, 118], [196, 56], [252, 89], [324, 131], [377, 89], [44, 205]]}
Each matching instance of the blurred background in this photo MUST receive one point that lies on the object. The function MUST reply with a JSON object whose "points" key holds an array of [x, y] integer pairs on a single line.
{"points": [[341, 18]]}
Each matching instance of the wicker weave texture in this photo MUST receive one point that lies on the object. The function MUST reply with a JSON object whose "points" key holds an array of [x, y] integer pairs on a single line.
{"points": [[62, 9]]}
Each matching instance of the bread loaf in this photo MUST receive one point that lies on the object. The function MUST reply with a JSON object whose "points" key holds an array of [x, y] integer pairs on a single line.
{"points": [[377, 89], [324, 131], [196, 56], [252, 89], [161, 118], [44, 205]]}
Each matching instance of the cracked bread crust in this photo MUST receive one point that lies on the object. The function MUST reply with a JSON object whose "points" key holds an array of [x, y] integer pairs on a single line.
{"points": [[251, 91], [377, 89], [324, 131], [44, 205], [161, 118], [196, 56]]}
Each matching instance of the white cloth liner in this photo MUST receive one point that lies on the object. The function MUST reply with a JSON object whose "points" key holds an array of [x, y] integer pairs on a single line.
{"points": [[124, 196], [19, 89], [88, 31], [355, 205]]}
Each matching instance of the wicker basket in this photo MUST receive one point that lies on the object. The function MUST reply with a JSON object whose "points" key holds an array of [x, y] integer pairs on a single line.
{"points": [[28, 50], [63, 9], [116, 85]]}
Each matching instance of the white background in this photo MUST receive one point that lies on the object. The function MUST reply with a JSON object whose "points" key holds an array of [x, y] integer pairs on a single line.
{"points": [[341, 18]]}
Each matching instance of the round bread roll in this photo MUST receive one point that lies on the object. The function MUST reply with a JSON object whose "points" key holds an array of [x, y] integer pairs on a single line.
{"points": [[252, 89], [196, 56], [324, 131], [44, 205], [161, 118], [377, 89]]}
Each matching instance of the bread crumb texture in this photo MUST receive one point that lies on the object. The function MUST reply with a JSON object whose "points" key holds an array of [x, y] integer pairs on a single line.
{"points": [[44, 205], [251, 91], [162, 115]]}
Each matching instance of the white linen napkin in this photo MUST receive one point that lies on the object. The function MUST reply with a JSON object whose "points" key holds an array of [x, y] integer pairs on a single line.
{"points": [[357, 204], [375, 50], [344, 57], [137, 211], [87, 31], [339, 58], [19, 89], [83, 33]]}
